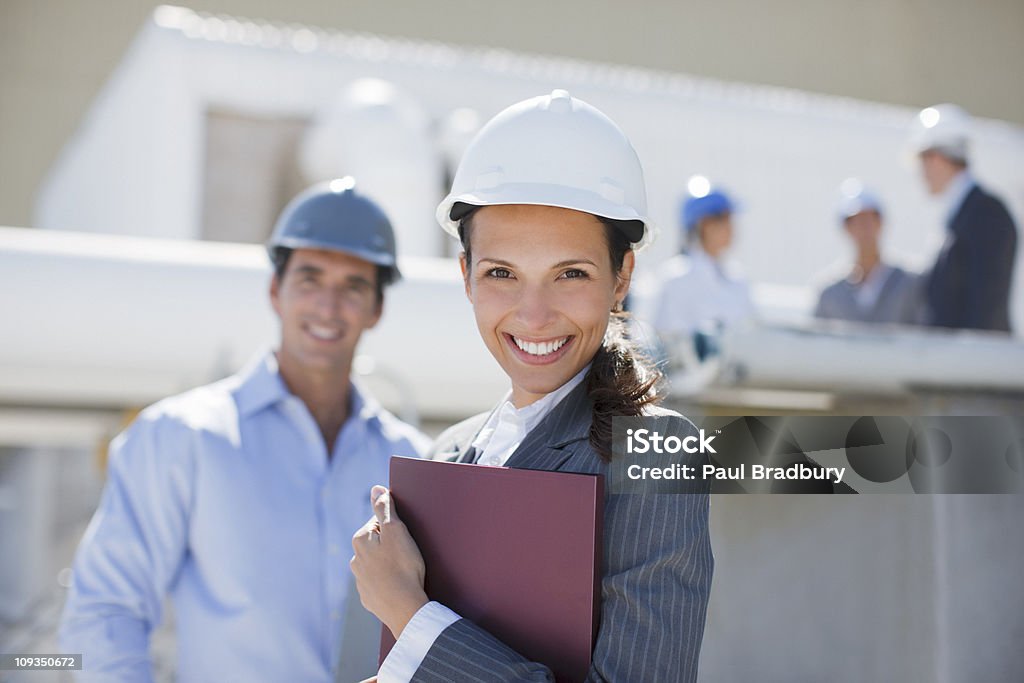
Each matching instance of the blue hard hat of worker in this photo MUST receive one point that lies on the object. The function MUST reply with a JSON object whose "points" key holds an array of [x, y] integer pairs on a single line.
{"points": [[855, 198], [703, 201], [336, 217]]}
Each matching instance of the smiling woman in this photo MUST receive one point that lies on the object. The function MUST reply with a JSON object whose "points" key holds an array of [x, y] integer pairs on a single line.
{"points": [[555, 308], [542, 287], [549, 205]]}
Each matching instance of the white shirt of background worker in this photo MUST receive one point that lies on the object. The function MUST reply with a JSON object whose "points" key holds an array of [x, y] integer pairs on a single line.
{"points": [[700, 287]]}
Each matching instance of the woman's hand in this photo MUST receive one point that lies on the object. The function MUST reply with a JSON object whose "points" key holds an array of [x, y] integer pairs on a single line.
{"points": [[388, 566]]}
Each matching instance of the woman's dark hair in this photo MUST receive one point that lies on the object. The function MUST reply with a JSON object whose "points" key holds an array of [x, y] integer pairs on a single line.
{"points": [[622, 380]]}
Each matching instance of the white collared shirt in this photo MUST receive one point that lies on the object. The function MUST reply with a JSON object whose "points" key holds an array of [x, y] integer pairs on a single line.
{"points": [[956, 192], [507, 426], [500, 436], [695, 289]]}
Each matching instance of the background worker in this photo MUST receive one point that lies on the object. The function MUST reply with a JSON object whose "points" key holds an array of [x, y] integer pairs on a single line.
{"points": [[969, 285], [700, 286], [238, 499], [871, 290]]}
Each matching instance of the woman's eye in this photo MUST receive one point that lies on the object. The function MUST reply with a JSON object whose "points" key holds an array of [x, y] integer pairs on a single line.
{"points": [[574, 274], [500, 273]]}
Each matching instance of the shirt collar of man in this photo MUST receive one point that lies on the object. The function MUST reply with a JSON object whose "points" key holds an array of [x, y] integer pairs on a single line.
{"points": [[516, 423], [869, 289], [260, 386], [955, 193], [720, 269]]}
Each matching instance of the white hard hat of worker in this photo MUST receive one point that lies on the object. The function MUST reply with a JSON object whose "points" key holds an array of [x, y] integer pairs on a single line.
{"points": [[855, 198], [945, 128], [552, 150]]}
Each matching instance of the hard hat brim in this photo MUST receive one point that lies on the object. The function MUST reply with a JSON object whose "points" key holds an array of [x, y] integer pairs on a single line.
{"points": [[540, 194], [375, 258]]}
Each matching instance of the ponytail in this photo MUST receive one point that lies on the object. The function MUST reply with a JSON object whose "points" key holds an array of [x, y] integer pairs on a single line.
{"points": [[622, 382]]}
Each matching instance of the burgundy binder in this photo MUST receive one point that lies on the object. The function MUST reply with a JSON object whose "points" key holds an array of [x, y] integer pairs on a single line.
{"points": [[518, 552]]}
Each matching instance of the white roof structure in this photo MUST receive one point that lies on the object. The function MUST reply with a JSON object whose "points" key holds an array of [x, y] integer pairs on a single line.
{"points": [[136, 164]]}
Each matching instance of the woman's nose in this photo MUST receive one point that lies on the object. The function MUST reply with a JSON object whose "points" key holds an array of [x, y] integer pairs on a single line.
{"points": [[535, 310]]}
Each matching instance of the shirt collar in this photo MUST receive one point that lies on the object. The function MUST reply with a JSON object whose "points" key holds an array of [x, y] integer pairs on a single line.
{"points": [[878, 273], [868, 291], [364, 405], [532, 414], [954, 194], [720, 268], [700, 258], [260, 386], [527, 417]]}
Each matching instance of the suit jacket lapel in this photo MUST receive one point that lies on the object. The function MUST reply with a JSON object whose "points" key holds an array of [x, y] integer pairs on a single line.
{"points": [[462, 449], [468, 454], [544, 447], [956, 221]]}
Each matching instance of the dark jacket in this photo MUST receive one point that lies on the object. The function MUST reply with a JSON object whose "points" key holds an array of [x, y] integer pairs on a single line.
{"points": [[897, 302], [657, 568], [969, 285]]}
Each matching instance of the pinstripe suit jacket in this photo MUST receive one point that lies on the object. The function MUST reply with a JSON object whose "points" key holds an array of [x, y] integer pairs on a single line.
{"points": [[656, 571]]}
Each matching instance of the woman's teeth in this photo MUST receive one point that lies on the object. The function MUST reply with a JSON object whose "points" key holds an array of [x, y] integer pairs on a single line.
{"points": [[541, 348]]}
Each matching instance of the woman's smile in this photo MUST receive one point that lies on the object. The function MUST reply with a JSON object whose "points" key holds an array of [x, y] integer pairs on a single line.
{"points": [[539, 351]]}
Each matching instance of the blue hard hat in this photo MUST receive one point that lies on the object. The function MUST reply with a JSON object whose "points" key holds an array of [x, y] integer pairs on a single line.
{"points": [[335, 216], [703, 201], [855, 198]]}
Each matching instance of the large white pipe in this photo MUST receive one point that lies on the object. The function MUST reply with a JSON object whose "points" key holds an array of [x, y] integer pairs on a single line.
{"points": [[840, 357], [106, 320], [102, 320]]}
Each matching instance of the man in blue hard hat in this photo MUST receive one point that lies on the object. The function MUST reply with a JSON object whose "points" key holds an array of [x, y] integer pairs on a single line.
{"points": [[870, 290], [239, 499], [700, 287]]}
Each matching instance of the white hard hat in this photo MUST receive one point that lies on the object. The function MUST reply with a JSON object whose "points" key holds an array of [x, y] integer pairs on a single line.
{"points": [[553, 150], [855, 198], [945, 128]]}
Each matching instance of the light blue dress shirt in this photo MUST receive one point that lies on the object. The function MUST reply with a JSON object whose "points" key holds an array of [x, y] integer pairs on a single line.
{"points": [[224, 498]]}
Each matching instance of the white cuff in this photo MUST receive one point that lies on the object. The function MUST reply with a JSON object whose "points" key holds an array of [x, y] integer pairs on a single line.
{"points": [[417, 638]]}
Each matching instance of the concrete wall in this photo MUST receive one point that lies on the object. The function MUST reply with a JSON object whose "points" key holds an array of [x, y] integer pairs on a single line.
{"points": [[866, 588], [55, 54]]}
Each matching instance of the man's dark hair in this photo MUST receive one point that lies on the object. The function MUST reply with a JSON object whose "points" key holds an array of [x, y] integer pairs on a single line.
{"points": [[281, 255]]}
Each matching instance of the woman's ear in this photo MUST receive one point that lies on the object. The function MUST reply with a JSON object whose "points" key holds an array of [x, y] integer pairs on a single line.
{"points": [[464, 265], [624, 277]]}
